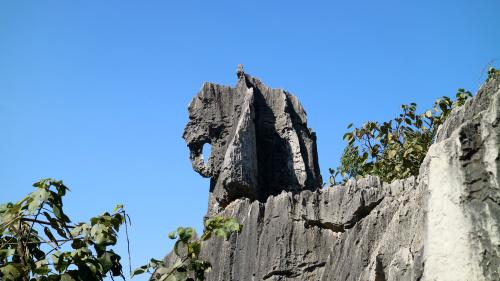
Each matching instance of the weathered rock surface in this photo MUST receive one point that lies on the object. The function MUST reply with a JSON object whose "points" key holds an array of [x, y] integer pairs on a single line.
{"points": [[461, 175], [260, 142], [360, 231], [443, 225]]}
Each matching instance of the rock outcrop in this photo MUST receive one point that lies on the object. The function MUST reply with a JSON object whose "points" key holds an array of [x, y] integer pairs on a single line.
{"points": [[461, 176], [260, 142], [442, 225]]}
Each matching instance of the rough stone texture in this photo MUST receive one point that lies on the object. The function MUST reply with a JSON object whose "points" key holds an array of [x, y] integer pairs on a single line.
{"points": [[461, 176], [260, 142], [443, 225], [361, 231]]}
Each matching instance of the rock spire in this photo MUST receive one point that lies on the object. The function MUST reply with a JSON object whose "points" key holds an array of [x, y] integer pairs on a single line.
{"points": [[260, 142]]}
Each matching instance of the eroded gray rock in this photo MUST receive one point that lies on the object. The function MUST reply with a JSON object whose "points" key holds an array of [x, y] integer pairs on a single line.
{"points": [[260, 142], [353, 232], [462, 179]]}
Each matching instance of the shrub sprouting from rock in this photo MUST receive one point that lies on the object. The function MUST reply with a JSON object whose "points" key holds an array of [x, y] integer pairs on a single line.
{"points": [[395, 149]]}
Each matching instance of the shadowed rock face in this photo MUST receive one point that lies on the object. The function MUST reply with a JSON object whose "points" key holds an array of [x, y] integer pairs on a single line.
{"points": [[260, 142]]}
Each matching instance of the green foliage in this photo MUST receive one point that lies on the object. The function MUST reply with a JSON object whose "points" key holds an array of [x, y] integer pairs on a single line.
{"points": [[492, 73], [187, 248], [38, 241], [396, 148]]}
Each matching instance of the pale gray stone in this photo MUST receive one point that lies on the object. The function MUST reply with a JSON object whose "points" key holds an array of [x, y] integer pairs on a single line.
{"points": [[260, 141]]}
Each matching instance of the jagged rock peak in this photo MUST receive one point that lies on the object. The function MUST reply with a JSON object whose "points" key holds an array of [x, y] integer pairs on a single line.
{"points": [[260, 142]]}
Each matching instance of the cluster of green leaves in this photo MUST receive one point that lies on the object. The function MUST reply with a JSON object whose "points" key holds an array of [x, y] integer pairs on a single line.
{"points": [[493, 73], [39, 242], [396, 148], [189, 265]]}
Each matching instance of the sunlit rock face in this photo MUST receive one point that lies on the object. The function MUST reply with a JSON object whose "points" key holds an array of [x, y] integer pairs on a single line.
{"points": [[260, 142], [461, 176], [442, 225]]}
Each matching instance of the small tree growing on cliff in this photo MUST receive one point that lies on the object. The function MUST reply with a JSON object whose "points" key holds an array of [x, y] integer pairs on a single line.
{"points": [[396, 148]]}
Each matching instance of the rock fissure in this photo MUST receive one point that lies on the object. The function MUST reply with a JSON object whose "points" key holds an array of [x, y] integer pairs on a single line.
{"points": [[379, 270], [362, 212], [323, 225], [289, 273]]}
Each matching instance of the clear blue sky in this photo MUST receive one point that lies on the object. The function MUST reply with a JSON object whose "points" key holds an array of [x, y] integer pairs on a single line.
{"points": [[96, 92]]}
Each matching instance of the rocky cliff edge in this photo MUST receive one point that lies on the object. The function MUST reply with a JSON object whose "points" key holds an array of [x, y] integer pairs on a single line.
{"points": [[442, 225]]}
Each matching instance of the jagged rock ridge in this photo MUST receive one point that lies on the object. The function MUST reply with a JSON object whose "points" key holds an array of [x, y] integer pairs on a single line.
{"points": [[442, 225]]}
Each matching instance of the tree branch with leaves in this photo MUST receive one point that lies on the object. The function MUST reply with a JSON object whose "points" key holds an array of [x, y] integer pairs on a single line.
{"points": [[189, 264], [38, 241]]}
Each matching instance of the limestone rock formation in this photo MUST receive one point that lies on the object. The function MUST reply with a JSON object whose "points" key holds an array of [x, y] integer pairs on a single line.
{"points": [[442, 225], [364, 230], [461, 175], [260, 142]]}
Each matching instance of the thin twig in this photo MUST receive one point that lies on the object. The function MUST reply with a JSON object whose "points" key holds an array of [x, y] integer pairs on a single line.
{"points": [[128, 243], [36, 216], [60, 245], [42, 242], [42, 222], [20, 247]]}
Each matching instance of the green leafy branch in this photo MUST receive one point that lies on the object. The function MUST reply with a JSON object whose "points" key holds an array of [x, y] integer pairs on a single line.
{"points": [[38, 241], [189, 265]]}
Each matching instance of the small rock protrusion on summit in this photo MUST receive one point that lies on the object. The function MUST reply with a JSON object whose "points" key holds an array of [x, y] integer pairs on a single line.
{"points": [[240, 72]]}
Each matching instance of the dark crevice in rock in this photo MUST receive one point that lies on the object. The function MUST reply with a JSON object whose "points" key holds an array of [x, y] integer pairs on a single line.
{"points": [[470, 140], [496, 122], [285, 272], [260, 226], [313, 267], [272, 151], [362, 212], [231, 257], [323, 225], [379, 270]]}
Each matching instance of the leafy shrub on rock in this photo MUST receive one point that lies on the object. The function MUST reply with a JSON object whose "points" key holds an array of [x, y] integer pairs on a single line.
{"points": [[493, 73], [396, 148]]}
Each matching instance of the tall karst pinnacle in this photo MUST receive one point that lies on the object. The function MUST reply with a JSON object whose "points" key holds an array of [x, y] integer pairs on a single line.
{"points": [[260, 142]]}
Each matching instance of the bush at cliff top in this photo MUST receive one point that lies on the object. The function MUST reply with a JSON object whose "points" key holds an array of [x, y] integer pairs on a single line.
{"points": [[395, 149]]}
